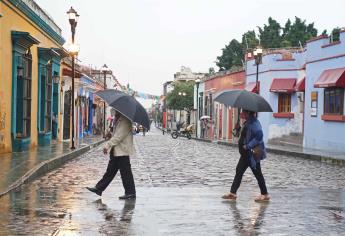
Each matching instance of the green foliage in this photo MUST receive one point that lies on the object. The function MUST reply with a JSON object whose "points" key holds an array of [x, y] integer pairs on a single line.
{"points": [[336, 34], [324, 32], [270, 35], [179, 102], [299, 32], [249, 40], [211, 71], [232, 56]]}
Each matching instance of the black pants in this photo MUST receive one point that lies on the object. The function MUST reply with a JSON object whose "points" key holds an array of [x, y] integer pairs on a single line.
{"points": [[242, 166], [123, 164]]}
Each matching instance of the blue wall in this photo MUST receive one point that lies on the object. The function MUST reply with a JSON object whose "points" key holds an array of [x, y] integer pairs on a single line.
{"points": [[328, 135], [272, 67]]}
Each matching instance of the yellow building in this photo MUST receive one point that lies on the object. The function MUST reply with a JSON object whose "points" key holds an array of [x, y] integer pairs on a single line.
{"points": [[30, 55]]}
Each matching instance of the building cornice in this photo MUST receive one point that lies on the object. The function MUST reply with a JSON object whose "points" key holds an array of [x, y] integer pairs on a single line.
{"points": [[31, 10]]}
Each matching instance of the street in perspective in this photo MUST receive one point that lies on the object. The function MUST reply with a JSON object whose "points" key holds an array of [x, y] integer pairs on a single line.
{"points": [[172, 117], [179, 187]]}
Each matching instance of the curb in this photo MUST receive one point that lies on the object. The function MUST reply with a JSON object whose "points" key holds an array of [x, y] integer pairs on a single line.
{"points": [[315, 157], [49, 165]]}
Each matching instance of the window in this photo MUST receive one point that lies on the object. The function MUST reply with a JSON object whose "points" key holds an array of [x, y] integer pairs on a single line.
{"points": [[23, 111], [206, 105], [284, 103], [334, 101], [46, 97], [211, 107], [200, 108]]}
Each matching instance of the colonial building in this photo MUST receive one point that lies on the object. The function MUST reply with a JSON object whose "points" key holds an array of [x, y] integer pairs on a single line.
{"points": [[324, 94], [222, 118], [171, 117], [280, 78], [30, 55]]}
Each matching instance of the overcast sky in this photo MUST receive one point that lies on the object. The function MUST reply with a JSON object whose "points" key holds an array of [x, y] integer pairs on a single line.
{"points": [[146, 41]]}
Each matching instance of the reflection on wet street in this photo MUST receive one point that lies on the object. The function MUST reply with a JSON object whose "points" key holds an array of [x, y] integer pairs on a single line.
{"points": [[179, 184]]}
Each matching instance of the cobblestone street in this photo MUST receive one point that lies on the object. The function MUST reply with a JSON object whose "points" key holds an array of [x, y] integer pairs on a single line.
{"points": [[179, 187]]}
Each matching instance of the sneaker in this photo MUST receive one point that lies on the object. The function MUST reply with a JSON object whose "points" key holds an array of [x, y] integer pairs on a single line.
{"points": [[127, 196], [263, 198], [94, 190], [230, 197]]}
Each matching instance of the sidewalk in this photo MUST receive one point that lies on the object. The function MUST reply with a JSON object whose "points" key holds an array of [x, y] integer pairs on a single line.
{"points": [[333, 157], [19, 167]]}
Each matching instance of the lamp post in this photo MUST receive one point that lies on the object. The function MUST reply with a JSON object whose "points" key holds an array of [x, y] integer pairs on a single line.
{"points": [[258, 57], [105, 70], [197, 82], [73, 20], [181, 94]]}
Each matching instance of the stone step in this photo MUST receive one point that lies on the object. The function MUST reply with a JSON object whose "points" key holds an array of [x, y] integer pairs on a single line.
{"points": [[288, 140]]}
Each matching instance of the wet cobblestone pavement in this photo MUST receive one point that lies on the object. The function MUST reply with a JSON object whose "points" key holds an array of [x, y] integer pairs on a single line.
{"points": [[179, 184]]}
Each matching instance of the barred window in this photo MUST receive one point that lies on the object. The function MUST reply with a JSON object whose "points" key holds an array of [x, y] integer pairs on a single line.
{"points": [[334, 101], [201, 104], [46, 97], [23, 111], [284, 102]]}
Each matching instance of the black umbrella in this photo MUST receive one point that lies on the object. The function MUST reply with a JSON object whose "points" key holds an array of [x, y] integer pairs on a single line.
{"points": [[127, 105], [243, 99]]}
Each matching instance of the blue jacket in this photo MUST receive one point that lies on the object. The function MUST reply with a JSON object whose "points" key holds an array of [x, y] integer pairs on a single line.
{"points": [[253, 138]]}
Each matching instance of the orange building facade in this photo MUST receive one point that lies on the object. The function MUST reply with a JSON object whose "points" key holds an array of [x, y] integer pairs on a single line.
{"points": [[222, 118]]}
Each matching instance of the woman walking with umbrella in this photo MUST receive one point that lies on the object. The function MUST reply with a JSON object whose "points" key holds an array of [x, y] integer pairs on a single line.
{"points": [[251, 136], [251, 145], [120, 146]]}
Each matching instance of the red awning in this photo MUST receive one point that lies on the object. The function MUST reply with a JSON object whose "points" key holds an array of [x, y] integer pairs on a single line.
{"points": [[300, 86], [283, 85], [331, 78], [68, 72], [251, 87]]}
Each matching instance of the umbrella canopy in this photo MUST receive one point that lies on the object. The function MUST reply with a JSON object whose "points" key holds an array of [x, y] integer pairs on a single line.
{"points": [[205, 117], [244, 99], [126, 105]]}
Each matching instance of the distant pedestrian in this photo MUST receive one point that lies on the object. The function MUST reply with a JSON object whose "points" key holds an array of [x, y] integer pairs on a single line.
{"points": [[251, 137], [121, 147], [204, 128], [54, 125]]}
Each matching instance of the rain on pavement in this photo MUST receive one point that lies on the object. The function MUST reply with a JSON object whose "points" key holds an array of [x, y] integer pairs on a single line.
{"points": [[179, 187]]}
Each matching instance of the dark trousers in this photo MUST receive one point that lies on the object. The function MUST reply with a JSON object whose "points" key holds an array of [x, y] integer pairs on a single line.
{"points": [[242, 166], [123, 164]]}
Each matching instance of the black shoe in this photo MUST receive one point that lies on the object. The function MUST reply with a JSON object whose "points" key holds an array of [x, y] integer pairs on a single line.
{"points": [[95, 190], [127, 196]]}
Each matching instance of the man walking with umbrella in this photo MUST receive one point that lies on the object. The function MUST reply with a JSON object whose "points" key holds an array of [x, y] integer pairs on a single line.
{"points": [[120, 147]]}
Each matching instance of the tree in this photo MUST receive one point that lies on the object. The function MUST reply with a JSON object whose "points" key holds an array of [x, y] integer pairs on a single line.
{"points": [[336, 34], [270, 35], [232, 55], [211, 71], [179, 102], [298, 33], [249, 40]]}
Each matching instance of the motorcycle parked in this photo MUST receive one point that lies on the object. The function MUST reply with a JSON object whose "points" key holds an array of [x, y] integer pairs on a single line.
{"points": [[182, 132]]}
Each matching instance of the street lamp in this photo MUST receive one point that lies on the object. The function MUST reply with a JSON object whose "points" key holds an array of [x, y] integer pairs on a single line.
{"points": [[74, 49], [105, 70], [181, 94], [258, 57], [197, 82]]}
